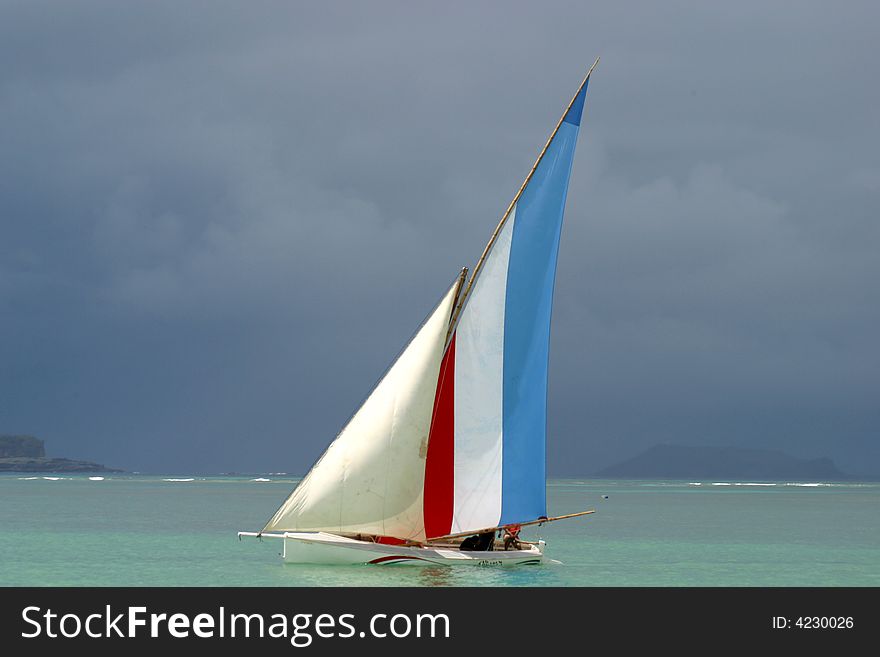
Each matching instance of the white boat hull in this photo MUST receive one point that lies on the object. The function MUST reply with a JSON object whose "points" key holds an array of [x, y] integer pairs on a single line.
{"points": [[330, 549]]}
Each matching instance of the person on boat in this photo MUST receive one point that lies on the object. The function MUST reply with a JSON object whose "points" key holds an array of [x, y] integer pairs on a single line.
{"points": [[479, 542], [511, 537]]}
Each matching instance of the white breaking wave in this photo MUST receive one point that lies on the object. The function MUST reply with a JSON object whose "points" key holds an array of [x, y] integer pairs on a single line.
{"points": [[753, 484], [261, 479], [808, 485], [721, 483], [190, 479], [96, 478], [28, 478], [52, 478]]}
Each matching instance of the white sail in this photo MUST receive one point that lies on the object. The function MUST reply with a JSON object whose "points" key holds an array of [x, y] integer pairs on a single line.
{"points": [[371, 478]]}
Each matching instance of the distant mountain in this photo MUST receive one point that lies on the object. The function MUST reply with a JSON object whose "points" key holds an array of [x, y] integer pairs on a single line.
{"points": [[684, 462], [28, 454]]}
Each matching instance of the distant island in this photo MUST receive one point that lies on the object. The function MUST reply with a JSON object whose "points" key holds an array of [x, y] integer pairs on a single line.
{"points": [[686, 462], [28, 454]]}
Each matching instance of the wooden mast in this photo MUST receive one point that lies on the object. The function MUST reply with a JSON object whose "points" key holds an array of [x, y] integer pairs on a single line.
{"points": [[462, 276], [463, 297]]}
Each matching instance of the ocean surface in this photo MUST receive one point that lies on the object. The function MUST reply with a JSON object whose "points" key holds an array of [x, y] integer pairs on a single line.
{"points": [[180, 530]]}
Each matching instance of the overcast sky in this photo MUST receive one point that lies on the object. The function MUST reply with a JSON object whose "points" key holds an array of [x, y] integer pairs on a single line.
{"points": [[219, 222]]}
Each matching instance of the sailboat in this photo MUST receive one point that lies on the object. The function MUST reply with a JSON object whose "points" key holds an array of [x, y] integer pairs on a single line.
{"points": [[444, 462]]}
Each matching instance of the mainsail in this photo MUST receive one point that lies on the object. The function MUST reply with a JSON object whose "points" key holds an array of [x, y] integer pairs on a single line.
{"points": [[370, 480], [453, 437], [486, 451]]}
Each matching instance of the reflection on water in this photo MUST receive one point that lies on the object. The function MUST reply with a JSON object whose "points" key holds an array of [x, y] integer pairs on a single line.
{"points": [[405, 575], [435, 576], [288, 574]]}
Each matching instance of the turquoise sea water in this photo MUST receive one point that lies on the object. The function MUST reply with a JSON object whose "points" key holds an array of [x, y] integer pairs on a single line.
{"points": [[150, 530]]}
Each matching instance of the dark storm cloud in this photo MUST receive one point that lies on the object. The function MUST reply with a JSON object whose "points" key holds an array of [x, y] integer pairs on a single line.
{"points": [[220, 221]]}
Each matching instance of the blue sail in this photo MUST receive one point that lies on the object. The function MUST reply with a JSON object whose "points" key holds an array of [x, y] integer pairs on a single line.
{"points": [[531, 274], [486, 463]]}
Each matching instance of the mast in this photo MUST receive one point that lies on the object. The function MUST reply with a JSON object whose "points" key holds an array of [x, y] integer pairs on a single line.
{"points": [[462, 299], [462, 277]]}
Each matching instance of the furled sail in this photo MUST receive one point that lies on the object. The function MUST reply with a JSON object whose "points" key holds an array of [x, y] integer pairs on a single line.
{"points": [[486, 451], [370, 480]]}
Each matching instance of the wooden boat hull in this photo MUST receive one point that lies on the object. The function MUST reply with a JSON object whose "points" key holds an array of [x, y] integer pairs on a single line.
{"points": [[330, 549]]}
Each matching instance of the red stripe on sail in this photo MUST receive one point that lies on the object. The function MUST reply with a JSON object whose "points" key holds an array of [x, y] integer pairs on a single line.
{"points": [[439, 465]]}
